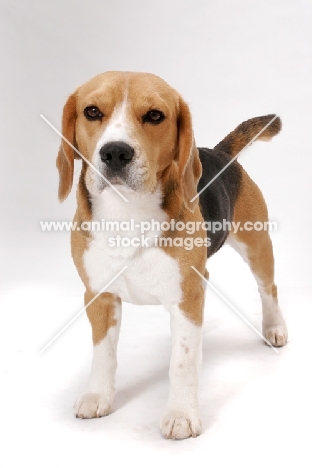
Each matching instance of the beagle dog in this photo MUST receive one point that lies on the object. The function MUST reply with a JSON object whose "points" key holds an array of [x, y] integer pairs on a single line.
{"points": [[140, 165]]}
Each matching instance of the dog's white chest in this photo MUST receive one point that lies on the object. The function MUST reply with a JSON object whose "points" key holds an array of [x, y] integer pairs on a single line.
{"points": [[152, 276]]}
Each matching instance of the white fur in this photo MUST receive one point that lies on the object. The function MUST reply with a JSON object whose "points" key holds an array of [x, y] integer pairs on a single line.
{"points": [[240, 247], [100, 391], [181, 418], [274, 327], [152, 277]]}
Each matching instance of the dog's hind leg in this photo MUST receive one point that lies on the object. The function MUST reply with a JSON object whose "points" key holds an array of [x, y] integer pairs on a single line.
{"points": [[255, 246]]}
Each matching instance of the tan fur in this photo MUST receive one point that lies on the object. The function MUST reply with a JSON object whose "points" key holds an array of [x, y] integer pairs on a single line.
{"points": [[235, 141], [80, 238], [193, 296], [251, 207], [101, 313], [179, 187], [66, 155], [189, 163], [102, 310]]}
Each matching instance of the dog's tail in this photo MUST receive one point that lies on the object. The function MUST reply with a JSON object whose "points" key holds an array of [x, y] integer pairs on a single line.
{"points": [[258, 128]]}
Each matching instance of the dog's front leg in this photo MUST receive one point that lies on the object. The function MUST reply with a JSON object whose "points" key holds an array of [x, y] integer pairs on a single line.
{"points": [[181, 418], [104, 314]]}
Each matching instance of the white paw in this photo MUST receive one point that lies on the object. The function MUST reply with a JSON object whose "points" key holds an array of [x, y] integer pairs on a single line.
{"points": [[92, 405], [276, 334], [176, 425]]}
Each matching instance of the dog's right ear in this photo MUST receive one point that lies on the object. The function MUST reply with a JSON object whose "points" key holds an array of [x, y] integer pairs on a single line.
{"points": [[67, 154]]}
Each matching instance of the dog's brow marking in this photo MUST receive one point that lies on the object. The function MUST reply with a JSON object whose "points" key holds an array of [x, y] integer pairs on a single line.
{"points": [[234, 308], [83, 157], [83, 309], [235, 157]]}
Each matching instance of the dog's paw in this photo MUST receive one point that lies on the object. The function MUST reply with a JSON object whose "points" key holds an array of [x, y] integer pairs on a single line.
{"points": [[178, 426], [92, 405], [277, 335]]}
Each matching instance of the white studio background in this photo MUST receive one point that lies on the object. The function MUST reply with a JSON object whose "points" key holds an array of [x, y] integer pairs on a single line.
{"points": [[231, 60]]}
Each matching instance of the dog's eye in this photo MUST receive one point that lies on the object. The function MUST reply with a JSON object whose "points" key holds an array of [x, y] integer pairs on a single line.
{"points": [[93, 113], [153, 116]]}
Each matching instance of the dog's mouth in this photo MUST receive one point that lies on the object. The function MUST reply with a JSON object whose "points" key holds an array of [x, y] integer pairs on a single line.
{"points": [[118, 181], [115, 177], [115, 180], [127, 179]]}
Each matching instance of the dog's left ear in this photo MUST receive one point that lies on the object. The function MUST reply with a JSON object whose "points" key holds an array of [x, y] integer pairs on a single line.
{"points": [[190, 168]]}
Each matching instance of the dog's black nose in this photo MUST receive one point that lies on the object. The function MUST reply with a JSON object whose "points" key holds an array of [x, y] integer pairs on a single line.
{"points": [[116, 155]]}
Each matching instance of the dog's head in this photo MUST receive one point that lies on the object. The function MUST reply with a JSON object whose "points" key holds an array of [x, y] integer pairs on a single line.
{"points": [[128, 128]]}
